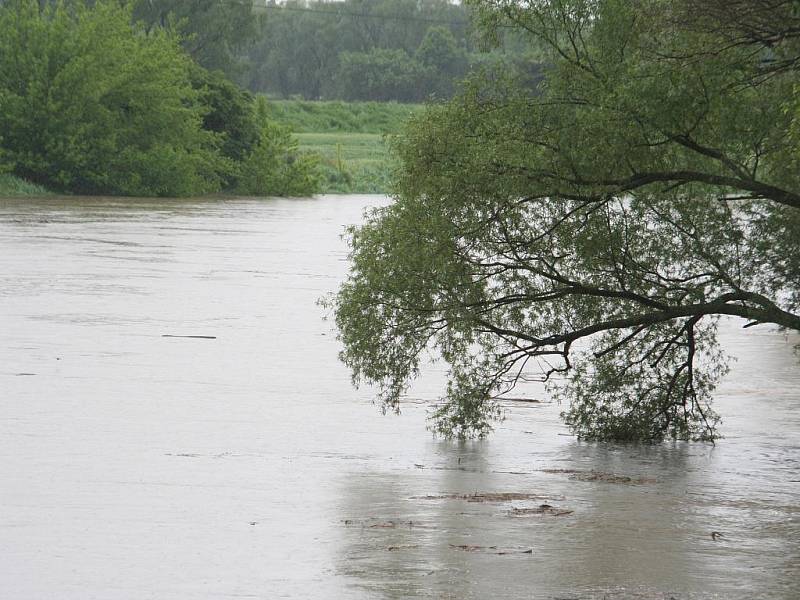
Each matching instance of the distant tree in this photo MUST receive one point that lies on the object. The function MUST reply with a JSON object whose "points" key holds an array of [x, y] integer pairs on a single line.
{"points": [[446, 61], [296, 53], [303, 46], [381, 75], [440, 51], [213, 32], [591, 233]]}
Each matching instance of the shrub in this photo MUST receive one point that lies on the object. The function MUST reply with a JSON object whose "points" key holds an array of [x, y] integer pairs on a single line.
{"points": [[90, 104], [276, 167]]}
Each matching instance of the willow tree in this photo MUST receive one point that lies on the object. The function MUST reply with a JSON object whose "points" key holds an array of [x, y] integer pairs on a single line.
{"points": [[591, 232]]}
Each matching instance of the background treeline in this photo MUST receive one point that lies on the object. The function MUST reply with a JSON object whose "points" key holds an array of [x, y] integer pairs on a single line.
{"points": [[370, 50], [93, 101], [402, 50]]}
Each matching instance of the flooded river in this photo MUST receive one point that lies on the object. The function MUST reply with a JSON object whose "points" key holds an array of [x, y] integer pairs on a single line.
{"points": [[243, 465]]}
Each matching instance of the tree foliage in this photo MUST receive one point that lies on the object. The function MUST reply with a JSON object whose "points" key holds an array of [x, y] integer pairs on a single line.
{"points": [[93, 103], [90, 104], [590, 233], [228, 114], [213, 32], [275, 166], [379, 75]]}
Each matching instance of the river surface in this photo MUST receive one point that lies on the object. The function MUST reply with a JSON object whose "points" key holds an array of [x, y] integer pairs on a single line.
{"points": [[244, 465]]}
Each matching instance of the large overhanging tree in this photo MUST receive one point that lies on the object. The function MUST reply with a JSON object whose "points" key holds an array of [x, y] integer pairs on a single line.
{"points": [[595, 229]]}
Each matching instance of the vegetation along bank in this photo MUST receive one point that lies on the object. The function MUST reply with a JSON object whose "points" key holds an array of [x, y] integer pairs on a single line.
{"points": [[92, 102]]}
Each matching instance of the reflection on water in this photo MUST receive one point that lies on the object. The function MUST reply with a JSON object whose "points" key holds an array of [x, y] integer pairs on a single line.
{"points": [[136, 465]]}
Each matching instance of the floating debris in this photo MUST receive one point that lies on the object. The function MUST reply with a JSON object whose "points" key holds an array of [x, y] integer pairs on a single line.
{"points": [[491, 549], [485, 497], [541, 510], [601, 476], [193, 455], [715, 535], [194, 337], [374, 523], [470, 548]]}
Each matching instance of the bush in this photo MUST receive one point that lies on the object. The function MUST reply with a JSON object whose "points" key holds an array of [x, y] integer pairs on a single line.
{"points": [[90, 104], [276, 167], [229, 112]]}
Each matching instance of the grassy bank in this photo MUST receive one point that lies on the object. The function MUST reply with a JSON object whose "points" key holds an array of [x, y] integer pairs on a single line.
{"points": [[351, 162], [344, 117], [11, 186], [349, 136]]}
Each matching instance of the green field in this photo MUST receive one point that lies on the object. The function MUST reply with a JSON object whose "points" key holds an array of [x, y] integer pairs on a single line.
{"points": [[303, 116], [350, 162], [350, 138], [345, 147]]}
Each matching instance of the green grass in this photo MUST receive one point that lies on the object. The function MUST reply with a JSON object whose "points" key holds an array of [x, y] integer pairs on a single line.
{"points": [[345, 146], [303, 116], [351, 162], [11, 186], [350, 138]]}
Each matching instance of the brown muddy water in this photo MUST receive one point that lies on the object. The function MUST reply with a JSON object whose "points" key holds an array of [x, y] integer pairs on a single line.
{"points": [[243, 465]]}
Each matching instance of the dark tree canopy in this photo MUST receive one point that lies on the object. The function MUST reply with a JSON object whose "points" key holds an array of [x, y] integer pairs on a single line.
{"points": [[591, 233], [213, 32]]}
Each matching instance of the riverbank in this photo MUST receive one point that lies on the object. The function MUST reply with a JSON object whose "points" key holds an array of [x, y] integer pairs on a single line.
{"points": [[351, 139], [12, 186]]}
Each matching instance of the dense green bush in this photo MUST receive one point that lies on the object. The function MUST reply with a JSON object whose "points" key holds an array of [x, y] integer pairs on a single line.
{"points": [[229, 114], [90, 104]]}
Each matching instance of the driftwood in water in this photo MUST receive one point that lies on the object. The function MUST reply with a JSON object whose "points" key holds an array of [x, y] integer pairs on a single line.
{"points": [[600, 476], [485, 497], [491, 549]]}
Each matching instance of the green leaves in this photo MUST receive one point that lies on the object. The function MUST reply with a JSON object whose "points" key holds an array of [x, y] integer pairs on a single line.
{"points": [[92, 105], [275, 166], [597, 227]]}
